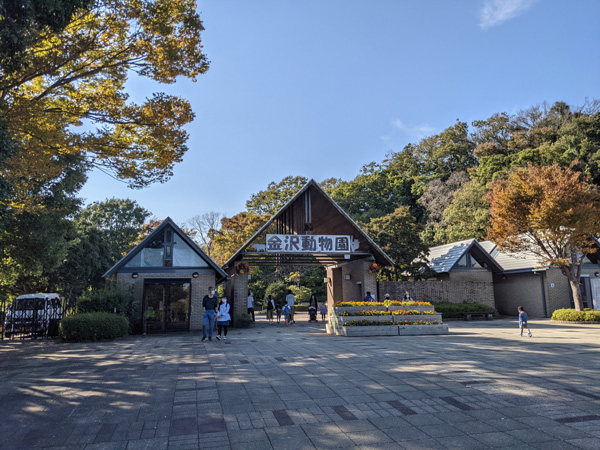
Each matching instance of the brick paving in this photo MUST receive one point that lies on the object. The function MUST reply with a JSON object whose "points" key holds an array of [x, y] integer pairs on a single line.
{"points": [[294, 387]]}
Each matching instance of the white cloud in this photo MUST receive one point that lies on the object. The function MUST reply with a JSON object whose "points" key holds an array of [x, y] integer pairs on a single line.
{"points": [[495, 12], [419, 131]]}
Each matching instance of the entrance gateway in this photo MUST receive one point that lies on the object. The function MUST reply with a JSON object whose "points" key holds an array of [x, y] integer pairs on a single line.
{"points": [[311, 229], [169, 275]]}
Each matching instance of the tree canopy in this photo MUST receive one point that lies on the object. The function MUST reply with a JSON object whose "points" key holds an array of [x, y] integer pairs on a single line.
{"points": [[551, 212], [67, 98]]}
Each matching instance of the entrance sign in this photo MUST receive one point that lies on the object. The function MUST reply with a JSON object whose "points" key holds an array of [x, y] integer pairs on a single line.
{"points": [[294, 243]]}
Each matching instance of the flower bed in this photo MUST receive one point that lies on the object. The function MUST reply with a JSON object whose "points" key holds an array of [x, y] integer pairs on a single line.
{"points": [[410, 312], [405, 303], [346, 304], [420, 308], [367, 323], [372, 312], [419, 322]]}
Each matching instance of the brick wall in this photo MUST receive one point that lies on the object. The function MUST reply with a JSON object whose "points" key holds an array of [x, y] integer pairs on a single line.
{"points": [[199, 288], [476, 286], [519, 289], [525, 289]]}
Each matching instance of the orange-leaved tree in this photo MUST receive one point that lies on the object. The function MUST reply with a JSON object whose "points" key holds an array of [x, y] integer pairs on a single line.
{"points": [[550, 211], [234, 233]]}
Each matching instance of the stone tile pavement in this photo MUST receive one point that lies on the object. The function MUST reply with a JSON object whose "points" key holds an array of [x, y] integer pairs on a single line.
{"points": [[295, 387]]}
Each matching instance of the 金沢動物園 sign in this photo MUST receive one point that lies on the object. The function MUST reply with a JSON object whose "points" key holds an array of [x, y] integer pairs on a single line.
{"points": [[292, 243]]}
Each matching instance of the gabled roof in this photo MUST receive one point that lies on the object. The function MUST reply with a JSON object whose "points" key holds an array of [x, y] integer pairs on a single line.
{"points": [[510, 262], [379, 254], [168, 222], [443, 257]]}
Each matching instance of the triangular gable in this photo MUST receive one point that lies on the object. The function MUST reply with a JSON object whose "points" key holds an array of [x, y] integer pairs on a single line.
{"points": [[335, 215], [444, 257], [140, 255]]}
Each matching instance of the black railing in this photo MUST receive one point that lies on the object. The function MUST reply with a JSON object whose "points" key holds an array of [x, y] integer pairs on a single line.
{"points": [[30, 319]]}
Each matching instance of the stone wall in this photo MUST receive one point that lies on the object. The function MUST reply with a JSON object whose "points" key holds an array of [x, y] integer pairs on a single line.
{"points": [[474, 287]]}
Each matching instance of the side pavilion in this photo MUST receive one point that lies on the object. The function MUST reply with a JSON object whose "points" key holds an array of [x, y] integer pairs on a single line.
{"points": [[310, 229]]}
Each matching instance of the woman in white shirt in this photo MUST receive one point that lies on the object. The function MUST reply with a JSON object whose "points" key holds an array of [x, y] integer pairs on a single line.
{"points": [[223, 319]]}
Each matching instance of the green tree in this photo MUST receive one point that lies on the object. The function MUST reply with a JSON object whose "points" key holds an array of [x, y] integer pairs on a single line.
{"points": [[120, 220], [278, 290], [467, 216], [34, 243], [272, 199], [551, 212], [447, 152], [398, 235]]}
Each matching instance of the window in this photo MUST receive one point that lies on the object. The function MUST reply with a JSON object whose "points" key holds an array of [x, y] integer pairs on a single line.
{"points": [[167, 250], [467, 261]]}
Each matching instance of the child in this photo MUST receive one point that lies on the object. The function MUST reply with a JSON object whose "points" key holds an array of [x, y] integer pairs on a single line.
{"points": [[286, 313], [523, 321], [279, 308], [323, 310]]}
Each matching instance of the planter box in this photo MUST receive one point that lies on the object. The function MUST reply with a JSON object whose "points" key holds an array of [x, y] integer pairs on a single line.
{"points": [[416, 330], [353, 309], [420, 308], [379, 330], [417, 317], [342, 319]]}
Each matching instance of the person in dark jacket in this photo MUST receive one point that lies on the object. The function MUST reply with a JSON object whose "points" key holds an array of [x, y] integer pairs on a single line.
{"points": [[210, 304], [313, 306]]}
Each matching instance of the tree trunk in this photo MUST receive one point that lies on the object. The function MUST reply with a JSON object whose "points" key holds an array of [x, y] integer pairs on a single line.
{"points": [[576, 289]]}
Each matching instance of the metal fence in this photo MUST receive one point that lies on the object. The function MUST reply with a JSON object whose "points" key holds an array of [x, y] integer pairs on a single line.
{"points": [[33, 318]]}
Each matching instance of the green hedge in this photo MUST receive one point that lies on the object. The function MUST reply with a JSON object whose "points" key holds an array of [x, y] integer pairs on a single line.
{"points": [[456, 310], [110, 298], [94, 326], [570, 315]]}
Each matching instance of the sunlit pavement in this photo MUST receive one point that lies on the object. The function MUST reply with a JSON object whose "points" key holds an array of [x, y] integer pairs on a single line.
{"points": [[294, 387]]}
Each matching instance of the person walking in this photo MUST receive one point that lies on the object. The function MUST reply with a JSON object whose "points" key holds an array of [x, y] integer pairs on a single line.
{"points": [[251, 306], [290, 300], [270, 308], [313, 306], [286, 313], [209, 303], [279, 308], [223, 318], [323, 310], [523, 321]]}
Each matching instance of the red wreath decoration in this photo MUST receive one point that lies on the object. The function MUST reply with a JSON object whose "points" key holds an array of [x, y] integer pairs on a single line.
{"points": [[242, 268], [375, 268]]}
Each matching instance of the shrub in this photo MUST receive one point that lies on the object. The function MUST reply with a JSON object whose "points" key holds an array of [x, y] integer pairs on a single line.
{"points": [[278, 290], [570, 315], [95, 326], [456, 310], [242, 320], [109, 298], [301, 293]]}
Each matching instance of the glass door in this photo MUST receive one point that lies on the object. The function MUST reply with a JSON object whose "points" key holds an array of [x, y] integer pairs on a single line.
{"points": [[166, 306], [178, 307]]}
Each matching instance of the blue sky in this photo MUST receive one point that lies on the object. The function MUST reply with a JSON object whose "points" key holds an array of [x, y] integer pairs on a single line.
{"points": [[319, 88]]}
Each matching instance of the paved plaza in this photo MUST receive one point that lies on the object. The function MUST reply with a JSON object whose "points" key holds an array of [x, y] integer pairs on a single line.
{"points": [[295, 387]]}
